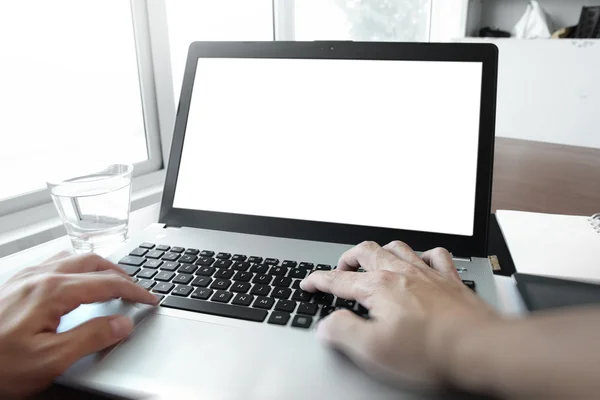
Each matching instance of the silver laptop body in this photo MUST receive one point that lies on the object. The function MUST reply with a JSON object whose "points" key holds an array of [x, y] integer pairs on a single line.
{"points": [[221, 196]]}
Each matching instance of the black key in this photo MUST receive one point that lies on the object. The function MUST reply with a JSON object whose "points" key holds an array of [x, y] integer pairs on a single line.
{"points": [[323, 267], [224, 273], [146, 273], [131, 271], [324, 298], [132, 260], [307, 308], [272, 261], [146, 284], [159, 297], [296, 284], [306, 265], [263, 302], [163, 247], [282, 281], [183, 279], [362, 310], [242, 276], [261, 290], [255, 260], [221, 284], [155, 254], [224, 256], [192, 251], [187, 269], [170, 257], [243, 300], [139, 252], [279, 318], [153, 264], [169, 266], [301, 295], [262, 279], [281, 293], [206, 271], [326, 310], [147, 245], [202, 294], [470, 284], [239, 257], [241, 266], [177, 249], [240, 287], [297, 273], [201, 281], [222, 310], [302, 321], [163, 287], [285, 305], [205, 261], [164, 276], [343, 303], [278, 271], [289, 264], [207, 253], [182, 290], [259, 269], [188, 258], [222, 296], [223, 263]]}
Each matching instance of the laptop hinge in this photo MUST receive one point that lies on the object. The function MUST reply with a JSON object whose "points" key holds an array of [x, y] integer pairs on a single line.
{"points": [[462, 259]]}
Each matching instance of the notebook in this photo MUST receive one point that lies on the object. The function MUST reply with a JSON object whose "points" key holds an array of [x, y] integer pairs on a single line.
{"points": [[560, 246]]}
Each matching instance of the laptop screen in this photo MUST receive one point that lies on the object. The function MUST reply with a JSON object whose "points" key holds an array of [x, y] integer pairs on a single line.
{"points": [[373, 143]]}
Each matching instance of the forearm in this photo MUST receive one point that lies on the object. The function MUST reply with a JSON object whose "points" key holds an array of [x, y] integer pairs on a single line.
{"points": [[549, 355]]}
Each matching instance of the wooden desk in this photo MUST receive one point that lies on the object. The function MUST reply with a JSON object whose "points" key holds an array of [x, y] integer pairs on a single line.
{"points": [[548, 178]]}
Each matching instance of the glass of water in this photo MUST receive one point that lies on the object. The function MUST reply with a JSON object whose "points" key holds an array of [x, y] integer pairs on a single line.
{"points": [[94, 207]]}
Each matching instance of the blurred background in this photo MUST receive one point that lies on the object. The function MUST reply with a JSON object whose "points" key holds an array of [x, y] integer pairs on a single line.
{"points": [[98, 81]]}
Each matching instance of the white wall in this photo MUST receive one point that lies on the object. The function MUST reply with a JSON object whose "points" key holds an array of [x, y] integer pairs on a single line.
{"points": [[549, 91]]}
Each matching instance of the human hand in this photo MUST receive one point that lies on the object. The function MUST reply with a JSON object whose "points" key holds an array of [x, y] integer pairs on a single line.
{"points": [[32, 303], [418, 308]]}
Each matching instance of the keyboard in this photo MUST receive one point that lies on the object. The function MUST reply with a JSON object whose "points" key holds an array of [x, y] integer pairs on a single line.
{"points": [[251, 288]]}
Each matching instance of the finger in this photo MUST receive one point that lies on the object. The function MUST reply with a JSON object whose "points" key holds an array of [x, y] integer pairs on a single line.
{"points": [[405, 253], [85, 263], [441, 260], [59, 256], [349, 333], [368, 255], [92, 336], [70, 291], [345, 284]]}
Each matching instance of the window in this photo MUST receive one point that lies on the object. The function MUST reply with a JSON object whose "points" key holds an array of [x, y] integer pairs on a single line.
{"points": [[70, 89], [362, 20], [191, 20]]}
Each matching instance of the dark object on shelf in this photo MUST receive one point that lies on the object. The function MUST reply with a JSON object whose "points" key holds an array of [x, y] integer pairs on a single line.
{"points": [[589, 23], [565, 33], [493, 33]]}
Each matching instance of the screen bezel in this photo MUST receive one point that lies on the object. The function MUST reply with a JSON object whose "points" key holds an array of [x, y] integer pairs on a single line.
{"points": [[475, 245]]}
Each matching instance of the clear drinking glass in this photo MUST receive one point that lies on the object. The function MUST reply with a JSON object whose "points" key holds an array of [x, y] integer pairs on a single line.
{"points": [[94, 207]]}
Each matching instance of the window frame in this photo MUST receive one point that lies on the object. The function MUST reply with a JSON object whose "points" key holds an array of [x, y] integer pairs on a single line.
{"points": [[157, 112]]}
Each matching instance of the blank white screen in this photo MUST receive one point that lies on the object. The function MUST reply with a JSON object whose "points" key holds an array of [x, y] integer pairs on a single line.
{"points": [[376, 143]]}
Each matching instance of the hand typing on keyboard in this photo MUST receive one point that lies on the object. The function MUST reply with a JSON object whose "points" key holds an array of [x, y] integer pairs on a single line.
{"points": [[32, 302], [418, 309]]}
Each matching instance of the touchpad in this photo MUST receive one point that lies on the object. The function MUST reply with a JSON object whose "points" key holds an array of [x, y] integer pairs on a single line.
{"points": [[218, 361]]}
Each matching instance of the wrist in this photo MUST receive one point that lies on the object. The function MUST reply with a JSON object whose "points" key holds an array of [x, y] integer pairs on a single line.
{"points": [[463, 351]]}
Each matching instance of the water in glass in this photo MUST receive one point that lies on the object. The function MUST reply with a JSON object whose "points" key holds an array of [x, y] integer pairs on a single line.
{"points": [[95, 207]]}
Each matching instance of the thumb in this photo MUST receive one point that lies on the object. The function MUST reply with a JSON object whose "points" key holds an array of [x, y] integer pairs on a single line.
{"points": [[348, 332], [95, 335]]}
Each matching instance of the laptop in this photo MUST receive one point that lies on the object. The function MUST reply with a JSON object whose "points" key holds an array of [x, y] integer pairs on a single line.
{"points": [[284, 156]]}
